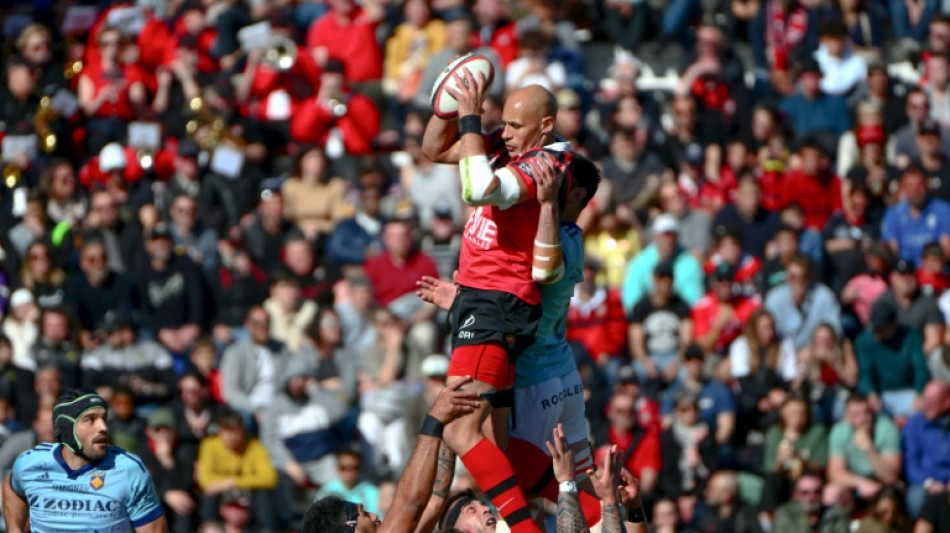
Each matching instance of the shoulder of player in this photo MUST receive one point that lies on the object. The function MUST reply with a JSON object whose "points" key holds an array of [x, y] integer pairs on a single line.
{"points": [[126, 459], [35, 455]]}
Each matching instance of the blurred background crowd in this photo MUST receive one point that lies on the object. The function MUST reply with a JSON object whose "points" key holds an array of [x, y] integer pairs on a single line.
{"points": [[214, 212]]}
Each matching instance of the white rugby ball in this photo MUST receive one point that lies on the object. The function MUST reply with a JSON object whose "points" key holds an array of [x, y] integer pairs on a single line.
{"points": [[444, 105]]}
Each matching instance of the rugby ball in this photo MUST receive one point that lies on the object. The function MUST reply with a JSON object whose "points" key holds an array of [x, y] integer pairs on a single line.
{"points": [[444, 104]]}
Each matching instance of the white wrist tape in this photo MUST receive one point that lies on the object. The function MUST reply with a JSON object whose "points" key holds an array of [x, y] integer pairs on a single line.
{"points": [[483, 186], [543, 276]]}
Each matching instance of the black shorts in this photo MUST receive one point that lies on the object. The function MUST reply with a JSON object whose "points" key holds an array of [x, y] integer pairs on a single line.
{"points": [[483, 316]]}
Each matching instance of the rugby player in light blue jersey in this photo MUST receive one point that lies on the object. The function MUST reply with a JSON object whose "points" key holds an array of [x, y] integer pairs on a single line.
{"points": [[80, 483], [548, 388]]}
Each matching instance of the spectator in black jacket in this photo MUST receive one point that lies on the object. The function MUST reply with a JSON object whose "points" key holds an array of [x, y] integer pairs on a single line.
{"points": [[96, 291], [690, 452], [194, 409], [238, 285], [171, 467], [267, 230], [171, 292]]}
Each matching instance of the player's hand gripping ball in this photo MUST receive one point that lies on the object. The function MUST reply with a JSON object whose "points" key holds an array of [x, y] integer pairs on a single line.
{"points": [[444, 105]]}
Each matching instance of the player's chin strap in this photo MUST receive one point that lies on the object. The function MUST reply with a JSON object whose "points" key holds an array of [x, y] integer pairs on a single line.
{"points": [[65, 416]]}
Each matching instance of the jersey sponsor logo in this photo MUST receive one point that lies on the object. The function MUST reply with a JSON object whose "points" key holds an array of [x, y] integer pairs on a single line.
{"points": [[574, 390], [97, 480], [66, 504], [466, 335], [469, 322], [481, 230]]}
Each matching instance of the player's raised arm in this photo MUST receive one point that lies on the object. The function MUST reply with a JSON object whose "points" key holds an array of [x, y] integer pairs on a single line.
{"points": [[440, 141], [548, 263], [15, 510], [415, 486], [480, 184]]}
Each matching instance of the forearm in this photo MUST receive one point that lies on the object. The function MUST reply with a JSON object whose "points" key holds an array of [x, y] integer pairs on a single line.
{"points": [[415, 487], [570, 516], [445, 472], [841, 476], [440, 141], [725, 425], [548, 263], [611, 521], [885, 471]]}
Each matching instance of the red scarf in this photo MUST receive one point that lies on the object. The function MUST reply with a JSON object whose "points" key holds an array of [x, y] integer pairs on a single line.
{"points": [[783, 31]]}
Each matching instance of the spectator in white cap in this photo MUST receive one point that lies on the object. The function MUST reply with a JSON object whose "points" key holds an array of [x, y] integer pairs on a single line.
{"points": [[21, 327], [687, 272]]}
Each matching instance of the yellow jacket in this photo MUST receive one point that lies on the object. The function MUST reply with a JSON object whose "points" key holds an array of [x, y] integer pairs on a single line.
{"points": [[252, 470], [406, 57]]}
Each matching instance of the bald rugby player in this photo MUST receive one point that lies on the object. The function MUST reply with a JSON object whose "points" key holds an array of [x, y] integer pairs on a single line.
{"points": [[497, 311]]}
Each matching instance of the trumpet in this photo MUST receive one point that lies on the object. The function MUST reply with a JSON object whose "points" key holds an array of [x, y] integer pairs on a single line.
{"points": [[44, 115], [281, 54]]}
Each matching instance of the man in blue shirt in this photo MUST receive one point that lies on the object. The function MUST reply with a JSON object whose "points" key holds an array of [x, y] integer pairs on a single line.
{"points": [[801, 305], [80, 483], [927, 446], [917, 221], [812, 111], [687, 272]]}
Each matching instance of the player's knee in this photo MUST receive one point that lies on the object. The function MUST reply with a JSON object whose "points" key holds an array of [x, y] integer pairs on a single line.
{"points": [[463, 433]]}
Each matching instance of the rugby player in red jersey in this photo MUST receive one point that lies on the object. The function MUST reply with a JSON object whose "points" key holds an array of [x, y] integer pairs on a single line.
{"points": [[497, 310]]}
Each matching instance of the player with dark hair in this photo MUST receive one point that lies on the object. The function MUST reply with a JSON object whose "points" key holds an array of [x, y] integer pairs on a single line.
{"points": [[80, 482]]}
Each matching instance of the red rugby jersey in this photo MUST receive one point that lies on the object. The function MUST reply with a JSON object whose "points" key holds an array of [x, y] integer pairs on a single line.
{"points": [[498, 242]]}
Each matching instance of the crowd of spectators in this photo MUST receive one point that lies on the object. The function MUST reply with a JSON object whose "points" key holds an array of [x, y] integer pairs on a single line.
{"points": [[223, 238]]}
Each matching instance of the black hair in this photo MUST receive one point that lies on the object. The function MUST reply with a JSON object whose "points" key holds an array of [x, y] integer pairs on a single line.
{"points": [[326, 515], [229, 419], [453, 507], [586, 175]]}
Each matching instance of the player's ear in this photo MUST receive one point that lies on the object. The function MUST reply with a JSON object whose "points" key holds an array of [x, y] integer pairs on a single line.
{"points": [[547, 125]]}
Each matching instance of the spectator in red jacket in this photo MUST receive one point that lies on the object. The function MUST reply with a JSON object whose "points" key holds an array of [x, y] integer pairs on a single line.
{"points": [[718, 317], [641, 444], [348, 33], [596, 320], [496, 30], [337, 118], [115, 166], [817, 191], [394, 274], [110, 91]]}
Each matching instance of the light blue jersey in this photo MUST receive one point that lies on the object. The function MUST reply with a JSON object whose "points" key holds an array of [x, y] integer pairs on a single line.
{"points": [[116, 494], [550, 356]]}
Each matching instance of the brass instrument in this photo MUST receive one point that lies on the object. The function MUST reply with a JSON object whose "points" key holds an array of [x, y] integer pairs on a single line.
{"points": [[217, 128], [146, 159], [11, 175], [72, 69], [281, 54], [44, 115]]}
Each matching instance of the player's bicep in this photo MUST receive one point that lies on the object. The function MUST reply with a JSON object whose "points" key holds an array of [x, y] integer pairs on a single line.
{"points": [[143, 504], [156, 526]]}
